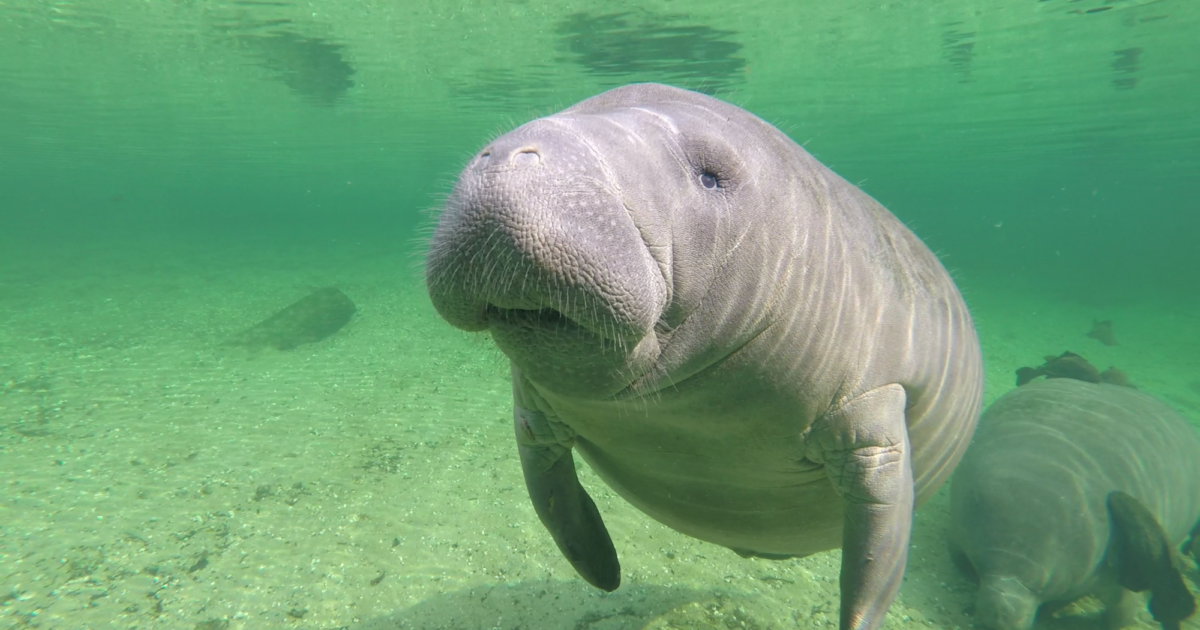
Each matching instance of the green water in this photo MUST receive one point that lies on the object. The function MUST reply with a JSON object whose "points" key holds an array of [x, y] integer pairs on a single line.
{"points": [[174, 171]]}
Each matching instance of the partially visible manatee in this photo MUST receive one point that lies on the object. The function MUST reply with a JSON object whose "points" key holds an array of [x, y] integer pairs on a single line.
{"points": [[742, 344], [1071, 489]]}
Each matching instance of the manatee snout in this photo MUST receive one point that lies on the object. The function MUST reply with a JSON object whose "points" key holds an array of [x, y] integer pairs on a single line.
{"points": [[536, 245]]}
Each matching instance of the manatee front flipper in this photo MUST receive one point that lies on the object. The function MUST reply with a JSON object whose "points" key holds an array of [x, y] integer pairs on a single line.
{"points": [[562, 504], [864, 446], [1141, 556]]}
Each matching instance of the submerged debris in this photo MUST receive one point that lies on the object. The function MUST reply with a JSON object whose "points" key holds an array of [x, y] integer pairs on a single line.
{"points": [[1073, 366], [1102, 331], [1116, 377], [312, 318]]}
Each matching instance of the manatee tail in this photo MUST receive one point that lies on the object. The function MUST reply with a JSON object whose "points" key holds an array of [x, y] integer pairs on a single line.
{"points": [[1139, 552]]}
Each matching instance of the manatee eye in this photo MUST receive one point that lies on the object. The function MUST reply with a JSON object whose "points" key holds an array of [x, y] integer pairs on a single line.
{"points": [[708, 180]]}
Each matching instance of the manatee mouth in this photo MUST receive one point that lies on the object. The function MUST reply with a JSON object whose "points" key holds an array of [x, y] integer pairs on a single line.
{"points": [[527, 317], [546, 324], [596, 360]]}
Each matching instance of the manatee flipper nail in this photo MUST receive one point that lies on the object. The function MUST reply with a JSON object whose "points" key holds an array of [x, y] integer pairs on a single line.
{"points": [[1142, 558]]}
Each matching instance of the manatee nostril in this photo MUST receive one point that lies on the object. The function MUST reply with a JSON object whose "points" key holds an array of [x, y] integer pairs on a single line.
{"points": [[526, 157]]}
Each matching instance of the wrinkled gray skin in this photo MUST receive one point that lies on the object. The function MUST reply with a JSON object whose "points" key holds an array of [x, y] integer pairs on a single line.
{"points": [[1027, 504], [773, 363]]}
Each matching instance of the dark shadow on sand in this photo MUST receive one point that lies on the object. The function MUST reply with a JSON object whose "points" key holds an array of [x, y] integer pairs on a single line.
{"points": [[541, 604]]}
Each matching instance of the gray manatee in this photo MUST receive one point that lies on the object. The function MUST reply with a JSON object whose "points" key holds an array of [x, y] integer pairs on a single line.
{"points": [[1071, 489], [743, 345]]}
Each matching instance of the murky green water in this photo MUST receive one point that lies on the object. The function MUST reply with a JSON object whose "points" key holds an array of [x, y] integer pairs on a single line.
{"points": [[173, 171]]}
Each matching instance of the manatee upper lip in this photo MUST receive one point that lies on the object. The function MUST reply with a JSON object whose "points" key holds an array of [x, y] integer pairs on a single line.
{"points": [[544, 316], [553, 320]]}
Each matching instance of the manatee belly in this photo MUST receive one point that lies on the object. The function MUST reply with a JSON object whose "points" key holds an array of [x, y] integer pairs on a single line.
{"points": [[722, 463], [765, 505]]}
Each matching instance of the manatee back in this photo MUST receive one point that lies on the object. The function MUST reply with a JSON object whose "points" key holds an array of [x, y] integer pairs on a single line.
{"points": [[1028, 500]]}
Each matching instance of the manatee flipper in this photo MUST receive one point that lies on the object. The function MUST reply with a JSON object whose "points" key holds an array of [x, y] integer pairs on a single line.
{"points": [[1001, 601], [1004, 602], [864, 446], [562, 504], [1139, 553], [1120, 605]]}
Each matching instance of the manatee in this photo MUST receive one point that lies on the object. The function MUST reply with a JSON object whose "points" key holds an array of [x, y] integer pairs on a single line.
{"points": [[740, 343], [1070, 489]]}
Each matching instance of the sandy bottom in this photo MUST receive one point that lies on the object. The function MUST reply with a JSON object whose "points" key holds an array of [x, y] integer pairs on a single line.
{"points": [[149, 479]]}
